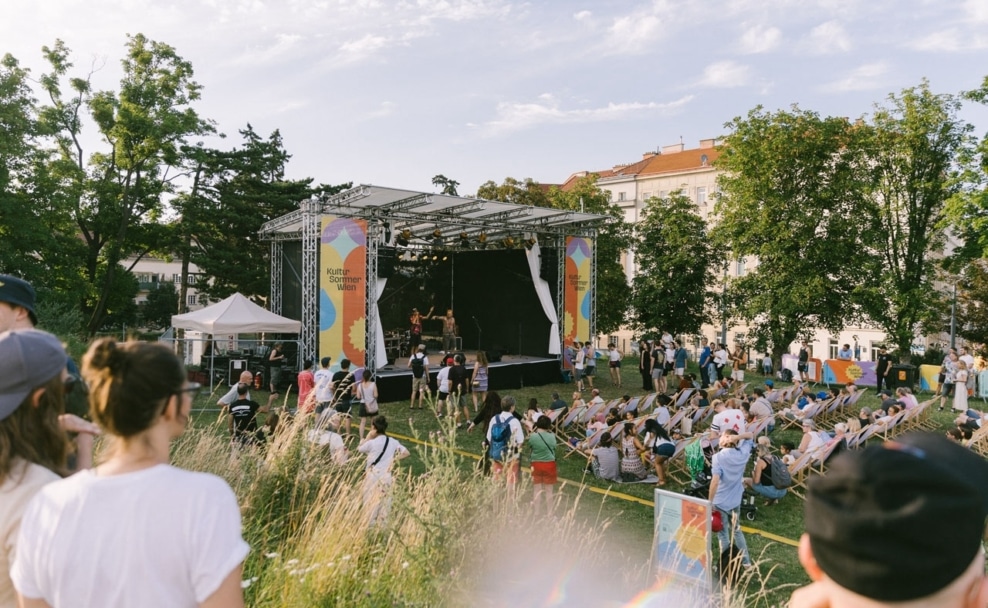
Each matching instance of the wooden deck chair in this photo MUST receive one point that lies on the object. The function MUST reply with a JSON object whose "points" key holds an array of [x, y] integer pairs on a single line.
{"points": [[676, 419], [647, 402], [979, 440], [835, 411], [592, 411], [800, 471], [891, 426], [924, 419], [632, 404], [867, 433], [819, 463], [683, 396], [702, 414], [717, 394], [759, 426], [853, 438], [807, 413], [554, 416], [676, 466]]}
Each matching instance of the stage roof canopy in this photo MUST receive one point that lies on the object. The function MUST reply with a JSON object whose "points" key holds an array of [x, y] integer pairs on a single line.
{"points": [[429, 216]]}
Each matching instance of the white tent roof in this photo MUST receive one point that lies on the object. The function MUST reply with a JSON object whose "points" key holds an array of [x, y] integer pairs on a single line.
{"points": [[235, 315]]}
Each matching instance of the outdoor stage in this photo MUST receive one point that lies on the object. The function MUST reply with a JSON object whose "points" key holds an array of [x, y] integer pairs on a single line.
{"points": [[394, 382]]}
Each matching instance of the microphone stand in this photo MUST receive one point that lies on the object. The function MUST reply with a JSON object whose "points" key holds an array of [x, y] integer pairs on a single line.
{"points": [[480, 331]]}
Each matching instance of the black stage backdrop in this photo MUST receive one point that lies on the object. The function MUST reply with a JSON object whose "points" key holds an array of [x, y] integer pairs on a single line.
{"points": [[493, 299]]}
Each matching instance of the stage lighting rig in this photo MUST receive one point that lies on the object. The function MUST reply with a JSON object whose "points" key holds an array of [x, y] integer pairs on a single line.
{"points": [[482, 239], [403, 237]]}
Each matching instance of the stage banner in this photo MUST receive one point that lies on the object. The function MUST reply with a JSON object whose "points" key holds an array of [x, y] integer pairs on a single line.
{"points": [[929, 377], [342, 289], [683, 537], [576, 290], [842, 371]]}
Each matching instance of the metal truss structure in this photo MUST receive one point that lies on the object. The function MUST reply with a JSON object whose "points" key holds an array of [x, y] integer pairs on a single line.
{"points": [[415, 221]]}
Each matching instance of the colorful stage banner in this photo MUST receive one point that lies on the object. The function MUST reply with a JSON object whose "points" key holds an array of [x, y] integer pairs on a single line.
{"points": [[842, 371], [576, 290], [342, 290], [929, 377]]}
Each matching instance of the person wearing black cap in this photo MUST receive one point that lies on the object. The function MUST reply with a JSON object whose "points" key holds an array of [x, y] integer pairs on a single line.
{"points": [[16, 304], [899, 524]]}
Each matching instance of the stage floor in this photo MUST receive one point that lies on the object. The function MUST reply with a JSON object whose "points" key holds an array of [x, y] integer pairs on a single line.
{"points": [[394, 381]]}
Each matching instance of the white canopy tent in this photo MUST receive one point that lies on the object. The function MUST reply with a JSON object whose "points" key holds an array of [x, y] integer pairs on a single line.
{"points": [[234, 315]]}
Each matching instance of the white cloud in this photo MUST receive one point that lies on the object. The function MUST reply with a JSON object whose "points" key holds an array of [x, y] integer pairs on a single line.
{"points": [[583, 16], [355, 51], [827, 38], [976, 10], [284, 46], [384, 109], [547, 110], [725, 74], [951, 40], [633, 34], [760, 39], [864, 78]]}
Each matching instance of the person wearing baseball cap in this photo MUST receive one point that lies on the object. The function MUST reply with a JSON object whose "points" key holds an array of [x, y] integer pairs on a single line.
{"points": [[17, 300], [897, 524], [33, 449]]}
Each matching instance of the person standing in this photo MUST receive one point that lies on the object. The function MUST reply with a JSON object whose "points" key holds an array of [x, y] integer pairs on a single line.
{"points": [[419, 364], [803, 365], [727, 488], [480, 379], [579, 365], [323, 385], [306, 382], [658, 368], [367, 396], [591, 363], [543, 445], [882, 368], [960, 387], [720, 360], [706, 356], [382, 451], [614, 364], [163, 536], [459, 386], [276, 358], [243, 419], [449, 331], [680, 361], [442, 385], [739, 362], [947, 373], [343, 382], [505, 437], [645, 365], [968, 359], [415, 330]]}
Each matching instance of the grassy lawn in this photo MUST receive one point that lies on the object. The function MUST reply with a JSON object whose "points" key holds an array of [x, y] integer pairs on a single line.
{"points": [[624, 509]]}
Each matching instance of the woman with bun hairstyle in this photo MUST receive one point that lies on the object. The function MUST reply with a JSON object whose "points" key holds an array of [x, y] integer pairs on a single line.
{"points": [[133, 531]]}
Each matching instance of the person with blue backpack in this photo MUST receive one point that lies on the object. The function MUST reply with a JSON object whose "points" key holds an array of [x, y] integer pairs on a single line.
{"points": [[504, 439]]}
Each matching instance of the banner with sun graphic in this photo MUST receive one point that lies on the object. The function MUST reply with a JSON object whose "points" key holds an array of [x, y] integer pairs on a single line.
{"points": [[342, 289], [683, 536], [576, 290]]}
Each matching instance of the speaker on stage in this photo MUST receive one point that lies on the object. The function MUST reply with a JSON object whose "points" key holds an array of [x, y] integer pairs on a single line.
{"points": [[386, 259], [548, 261], [494, 355]]}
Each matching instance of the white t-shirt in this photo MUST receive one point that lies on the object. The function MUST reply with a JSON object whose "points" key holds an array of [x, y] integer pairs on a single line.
{"points": [[662, 415], [581, 357], [442, 380], [729, 419], [720, 357], [25, 480], [160, 536], [324, 385], [232, 395], [373, 449], [333, 441], [614, 355]]}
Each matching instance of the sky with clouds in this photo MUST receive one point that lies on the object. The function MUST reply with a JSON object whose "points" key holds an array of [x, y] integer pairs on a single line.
{"points": [[394, 92]]}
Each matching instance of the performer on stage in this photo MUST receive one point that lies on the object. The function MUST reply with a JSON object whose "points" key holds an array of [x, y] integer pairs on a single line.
{"points": [[416, 329], [449, 331]]}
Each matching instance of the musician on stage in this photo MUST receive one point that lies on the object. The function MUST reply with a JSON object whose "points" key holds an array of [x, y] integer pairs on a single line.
{"points": [[415, 334], [449, 331]]}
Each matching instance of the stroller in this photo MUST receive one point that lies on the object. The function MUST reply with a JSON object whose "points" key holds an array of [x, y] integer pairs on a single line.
{"points": [[698, 462]]}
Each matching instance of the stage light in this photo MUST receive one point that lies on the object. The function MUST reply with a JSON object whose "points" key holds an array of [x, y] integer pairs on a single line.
{"points": [[530, 243], [482, 239], [445, 257], [464, 240], [508, 242], [435, 258], [404, 237]]}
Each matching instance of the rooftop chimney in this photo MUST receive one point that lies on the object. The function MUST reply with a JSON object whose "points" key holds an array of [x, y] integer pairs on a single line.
{"points": [[708, 143], [672, 149]]}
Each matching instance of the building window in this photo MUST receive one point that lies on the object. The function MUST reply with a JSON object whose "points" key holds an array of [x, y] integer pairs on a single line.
{"points": [[741, 269], [176, 278], [646, 196], [663, 194], [833, 348], [875, 345], [701, 195], [620, 196], [190, 300], [192, 279]]}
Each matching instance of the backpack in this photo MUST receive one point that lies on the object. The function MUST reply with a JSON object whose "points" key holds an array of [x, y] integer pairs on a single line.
{"points": [[781, 478], [418, 366], [786, 375], [500, 433]]}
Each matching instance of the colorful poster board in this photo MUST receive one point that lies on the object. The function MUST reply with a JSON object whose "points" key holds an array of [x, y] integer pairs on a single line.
{"points": [[683, 537], [577, 298], [342, 289], [929, 377], [842, 371]]}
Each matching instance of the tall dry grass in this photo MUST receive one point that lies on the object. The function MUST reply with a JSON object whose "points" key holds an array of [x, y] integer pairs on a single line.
{"points": [[453, 538]]}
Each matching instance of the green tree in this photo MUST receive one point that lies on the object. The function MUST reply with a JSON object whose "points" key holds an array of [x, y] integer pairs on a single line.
{"points": [[511, 190], [447, 185], [161, 304], [675, 259], [117, 193], [234, 193], [795, 197], [972, 305], [915, 144]]}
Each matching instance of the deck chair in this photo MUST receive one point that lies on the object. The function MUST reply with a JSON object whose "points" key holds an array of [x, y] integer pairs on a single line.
{"points": [[683, 396], [630, 405], [759, 426], [891, 425], [800, 471], [867, 433], [647, 403], [979, 440], [676, 466]]}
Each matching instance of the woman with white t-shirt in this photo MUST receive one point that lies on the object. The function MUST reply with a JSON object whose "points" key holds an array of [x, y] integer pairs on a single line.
{"points": [[367, 393], [381, 451], [151, 534]]}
